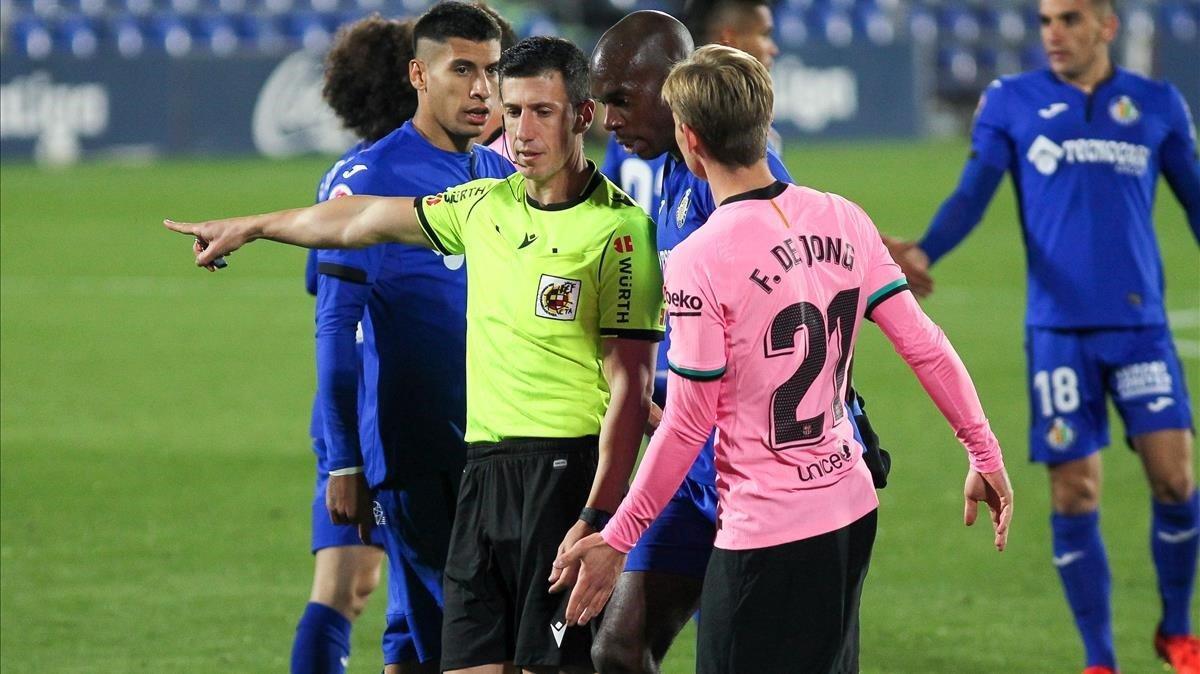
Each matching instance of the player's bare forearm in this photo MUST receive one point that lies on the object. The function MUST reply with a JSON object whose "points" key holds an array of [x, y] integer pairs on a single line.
{"points": [[347, 222], [629, 369]]}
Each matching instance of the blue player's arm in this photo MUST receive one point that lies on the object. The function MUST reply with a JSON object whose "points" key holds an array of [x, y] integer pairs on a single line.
{"points": [[340, 306], [777, 168], [962, 210], [1183, 175], [991, 154], [310, 273], [1179, 161]]}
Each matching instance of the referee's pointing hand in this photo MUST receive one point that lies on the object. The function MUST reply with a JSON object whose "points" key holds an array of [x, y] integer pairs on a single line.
{"points": [[215, 238]]}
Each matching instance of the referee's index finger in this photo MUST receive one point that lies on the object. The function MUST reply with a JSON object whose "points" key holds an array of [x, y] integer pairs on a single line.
{"points": [[181, 227]]}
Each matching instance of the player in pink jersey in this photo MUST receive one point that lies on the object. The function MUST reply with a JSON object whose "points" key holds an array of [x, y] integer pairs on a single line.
{"points": [[765, 302]]}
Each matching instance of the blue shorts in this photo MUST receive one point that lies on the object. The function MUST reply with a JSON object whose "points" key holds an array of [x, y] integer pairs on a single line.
{"points": [[1071, 372], [413, 523], [681, 539], [326, 534]]}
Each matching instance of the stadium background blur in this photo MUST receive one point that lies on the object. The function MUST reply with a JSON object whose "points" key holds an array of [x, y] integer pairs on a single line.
{"points": [[155, 468]]}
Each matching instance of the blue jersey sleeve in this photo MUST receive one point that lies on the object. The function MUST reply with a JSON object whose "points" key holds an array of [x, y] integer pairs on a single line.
{"points": [[990, 141], [991, 152], [339, 309], [310, 272], [1180, 165], [777, 168], [962, 210], [310, 261], [344, 280]]}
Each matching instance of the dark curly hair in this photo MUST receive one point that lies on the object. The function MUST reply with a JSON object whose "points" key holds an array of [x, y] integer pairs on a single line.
{"points": [[534, 56], [366, 76]]}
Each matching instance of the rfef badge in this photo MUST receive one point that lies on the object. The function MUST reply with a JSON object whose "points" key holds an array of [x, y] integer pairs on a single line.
{"points": [[558, 298]]}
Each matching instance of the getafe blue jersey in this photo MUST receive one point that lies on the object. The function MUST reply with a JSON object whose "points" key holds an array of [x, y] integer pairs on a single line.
{"points": [[1085, 169], [684, 205], [409, 414], [316, 427], [640, 178]]}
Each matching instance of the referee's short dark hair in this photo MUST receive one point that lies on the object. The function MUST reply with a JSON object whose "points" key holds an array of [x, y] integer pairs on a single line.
{"points": [[535, 56], [452, 18]]}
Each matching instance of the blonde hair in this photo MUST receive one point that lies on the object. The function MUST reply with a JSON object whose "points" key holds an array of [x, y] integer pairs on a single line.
{"points": [[724, 95]]}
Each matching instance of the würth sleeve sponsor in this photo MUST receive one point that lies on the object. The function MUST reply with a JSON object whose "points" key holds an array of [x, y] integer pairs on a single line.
{"points": [[631, 301], [444, 215]]}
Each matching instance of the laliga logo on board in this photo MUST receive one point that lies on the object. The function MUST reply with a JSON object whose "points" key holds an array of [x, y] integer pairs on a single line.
{"points": [[290, 116], [55, 114], [813, 97]]}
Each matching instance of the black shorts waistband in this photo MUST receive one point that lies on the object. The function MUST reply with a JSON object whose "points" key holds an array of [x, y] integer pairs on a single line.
{"points": [[513, 447]]}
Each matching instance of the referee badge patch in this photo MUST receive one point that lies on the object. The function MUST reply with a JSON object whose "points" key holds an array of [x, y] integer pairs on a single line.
{"points": [[558, 298]]}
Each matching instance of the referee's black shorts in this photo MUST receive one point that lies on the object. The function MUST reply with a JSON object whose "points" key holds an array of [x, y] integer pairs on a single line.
{"points": [[787, 609], [517, 500]]}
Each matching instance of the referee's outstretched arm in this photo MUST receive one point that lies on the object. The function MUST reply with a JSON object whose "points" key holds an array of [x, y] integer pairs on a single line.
{"points": [[347, 222]]}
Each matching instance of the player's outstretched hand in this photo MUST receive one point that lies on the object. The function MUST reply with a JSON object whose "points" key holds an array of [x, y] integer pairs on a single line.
{"points": [[914, 263], [599, 566], [995, 490], [215, 238]]}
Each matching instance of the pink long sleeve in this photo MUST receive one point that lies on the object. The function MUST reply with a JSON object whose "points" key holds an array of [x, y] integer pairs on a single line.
{"points": [[688, 419], [924, 346]]}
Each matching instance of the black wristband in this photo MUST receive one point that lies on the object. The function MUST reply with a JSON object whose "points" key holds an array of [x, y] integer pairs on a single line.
{"points": [[595, 517]]}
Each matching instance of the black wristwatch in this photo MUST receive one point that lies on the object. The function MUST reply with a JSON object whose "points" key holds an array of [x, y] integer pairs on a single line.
{"points": [[595, 517]]}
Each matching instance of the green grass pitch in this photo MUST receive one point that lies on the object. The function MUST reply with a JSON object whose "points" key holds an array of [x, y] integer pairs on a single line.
{"points": [[156, 470]]}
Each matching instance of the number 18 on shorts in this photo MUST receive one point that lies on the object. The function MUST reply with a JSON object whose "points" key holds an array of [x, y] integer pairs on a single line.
{"points": [[1072, 371]]}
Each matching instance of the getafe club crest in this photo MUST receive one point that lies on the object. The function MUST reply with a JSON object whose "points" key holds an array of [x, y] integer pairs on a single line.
{"points": [[1124, 110], [558, 298], [1061, 435], [681, 211]]}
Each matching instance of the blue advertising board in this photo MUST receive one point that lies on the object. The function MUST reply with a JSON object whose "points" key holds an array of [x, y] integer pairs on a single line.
{"points": [[62, 107]]}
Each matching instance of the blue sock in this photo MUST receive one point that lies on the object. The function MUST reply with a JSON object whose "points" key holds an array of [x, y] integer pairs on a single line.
{"points": [[322, 644], [1174, 542], [1082, 565]]}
